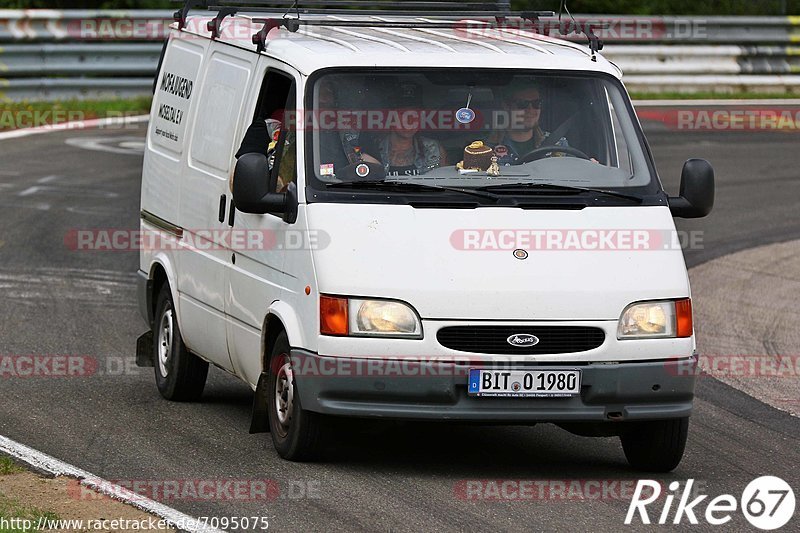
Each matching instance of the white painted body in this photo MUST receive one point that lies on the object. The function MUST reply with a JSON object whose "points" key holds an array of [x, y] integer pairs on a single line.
{"points": [[380, 251]]}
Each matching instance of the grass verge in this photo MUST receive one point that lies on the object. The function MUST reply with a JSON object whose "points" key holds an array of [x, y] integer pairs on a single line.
{"points": [[7, 466], [21, 518], [15, 115], [16, 517]]}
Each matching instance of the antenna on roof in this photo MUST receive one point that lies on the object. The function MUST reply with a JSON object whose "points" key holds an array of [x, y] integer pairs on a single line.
{"points": [[595, 43]]}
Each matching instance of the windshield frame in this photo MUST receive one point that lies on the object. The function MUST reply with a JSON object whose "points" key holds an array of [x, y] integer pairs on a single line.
{"points": [[651, 193]]}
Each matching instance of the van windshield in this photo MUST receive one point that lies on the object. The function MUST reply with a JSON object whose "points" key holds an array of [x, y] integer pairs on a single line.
{"points": [[472, 129]]}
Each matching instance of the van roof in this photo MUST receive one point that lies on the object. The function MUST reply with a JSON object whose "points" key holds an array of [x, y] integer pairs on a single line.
{"points": [[314, 47]]}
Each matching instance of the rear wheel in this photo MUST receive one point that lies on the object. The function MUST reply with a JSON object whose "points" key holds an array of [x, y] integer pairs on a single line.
{"points": [[180, 375], [655, 446], [296, 433]]}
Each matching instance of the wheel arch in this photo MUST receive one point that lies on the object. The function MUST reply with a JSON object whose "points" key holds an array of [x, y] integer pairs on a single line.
{"points": [[161, 272], [280, 318]]}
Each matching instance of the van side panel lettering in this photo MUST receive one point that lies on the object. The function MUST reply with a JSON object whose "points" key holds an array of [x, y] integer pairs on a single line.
{"points": [[177, 85]]}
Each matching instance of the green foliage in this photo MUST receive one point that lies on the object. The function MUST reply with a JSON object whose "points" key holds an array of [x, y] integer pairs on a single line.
{"points": [[30, 114], [7, 466], [10, 509]]}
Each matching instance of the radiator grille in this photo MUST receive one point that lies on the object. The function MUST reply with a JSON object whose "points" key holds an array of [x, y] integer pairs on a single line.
{"points": [[494, 339]]}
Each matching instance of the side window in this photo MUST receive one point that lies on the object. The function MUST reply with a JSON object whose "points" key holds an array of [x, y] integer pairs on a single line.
{"points": [[621, 156], [287, 169], [273, 130], [286, 149]]}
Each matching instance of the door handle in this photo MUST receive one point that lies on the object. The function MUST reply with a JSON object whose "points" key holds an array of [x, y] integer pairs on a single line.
{"points": [[222, 200]]}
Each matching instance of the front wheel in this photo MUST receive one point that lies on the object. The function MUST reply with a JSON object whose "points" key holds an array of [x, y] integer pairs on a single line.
{"points": [[296, 433], [655, 446], [180, 375]]}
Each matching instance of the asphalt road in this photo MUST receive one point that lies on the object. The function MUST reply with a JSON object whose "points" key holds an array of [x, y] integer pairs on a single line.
{"points": [[378, 477]]}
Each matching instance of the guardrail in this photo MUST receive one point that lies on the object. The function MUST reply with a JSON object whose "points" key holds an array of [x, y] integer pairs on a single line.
{"points": [[48, 54]]}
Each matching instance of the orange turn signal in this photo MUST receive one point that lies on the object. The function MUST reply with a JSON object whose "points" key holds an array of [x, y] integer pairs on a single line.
{"points": [[683, 315], [333, 315]]}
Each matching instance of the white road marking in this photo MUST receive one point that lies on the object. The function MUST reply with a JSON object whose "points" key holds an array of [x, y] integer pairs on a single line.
{"points": [[80, 286], [47, 179], [133, 145], [50, 464], [68, 191], [92, 210], [112, 145], [30, 190]]}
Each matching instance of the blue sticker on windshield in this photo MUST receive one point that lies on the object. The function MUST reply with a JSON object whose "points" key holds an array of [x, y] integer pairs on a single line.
{"points": [[465, 115]]}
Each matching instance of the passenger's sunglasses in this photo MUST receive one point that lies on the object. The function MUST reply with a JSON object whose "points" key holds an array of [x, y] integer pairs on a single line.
{"points": [[524, 104]]}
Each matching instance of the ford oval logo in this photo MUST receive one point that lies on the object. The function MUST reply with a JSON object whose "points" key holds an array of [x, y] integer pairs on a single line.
{"points": [[523, 340]]}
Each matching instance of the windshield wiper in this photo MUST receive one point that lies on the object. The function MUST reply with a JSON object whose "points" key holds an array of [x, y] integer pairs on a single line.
{"points": [[408, 186], [517, 187]]}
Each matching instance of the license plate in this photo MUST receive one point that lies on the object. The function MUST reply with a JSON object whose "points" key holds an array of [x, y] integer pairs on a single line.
{"points": [[543, 383]]}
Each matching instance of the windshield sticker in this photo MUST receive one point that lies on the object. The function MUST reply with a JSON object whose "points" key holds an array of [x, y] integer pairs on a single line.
{"points": [[326, 169], [362, 170]]}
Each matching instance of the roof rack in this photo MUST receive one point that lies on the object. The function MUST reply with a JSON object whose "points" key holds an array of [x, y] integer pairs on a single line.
{"points": [[449, 13], [444, 8]]}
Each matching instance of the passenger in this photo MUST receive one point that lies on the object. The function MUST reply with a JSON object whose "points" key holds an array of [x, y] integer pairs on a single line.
{"points": [[523, 104], [404, 151], [341, 148]]}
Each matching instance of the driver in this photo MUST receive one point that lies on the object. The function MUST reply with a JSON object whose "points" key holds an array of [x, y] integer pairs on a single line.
{"points": [[340, 148], [523, 105]]}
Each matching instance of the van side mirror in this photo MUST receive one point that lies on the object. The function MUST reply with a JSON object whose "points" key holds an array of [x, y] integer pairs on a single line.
{"points": [[251, 189], [697, 190]]}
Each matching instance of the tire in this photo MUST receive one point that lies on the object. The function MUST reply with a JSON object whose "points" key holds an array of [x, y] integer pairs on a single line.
{"points": [[180, 375], [297, 434], [655, 446]]}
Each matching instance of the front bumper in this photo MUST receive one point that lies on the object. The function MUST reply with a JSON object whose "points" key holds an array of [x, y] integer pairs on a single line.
{"points": [[412, 390]]}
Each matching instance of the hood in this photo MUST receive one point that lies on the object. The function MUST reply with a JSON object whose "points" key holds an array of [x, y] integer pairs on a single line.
{"points": [[583, 264]]}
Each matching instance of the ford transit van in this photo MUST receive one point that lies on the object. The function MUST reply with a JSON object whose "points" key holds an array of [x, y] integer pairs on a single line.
{"points": [[416, 217]]}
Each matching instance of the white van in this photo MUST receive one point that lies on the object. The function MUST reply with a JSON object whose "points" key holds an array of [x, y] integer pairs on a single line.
{"points": [[382, 215]]}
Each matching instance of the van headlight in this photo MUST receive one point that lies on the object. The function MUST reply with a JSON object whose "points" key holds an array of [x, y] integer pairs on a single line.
{"points": [[660, 319], [362, 317]]}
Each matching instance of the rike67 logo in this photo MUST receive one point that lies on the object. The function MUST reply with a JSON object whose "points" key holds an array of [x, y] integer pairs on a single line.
{"points": [[767, 503]]}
